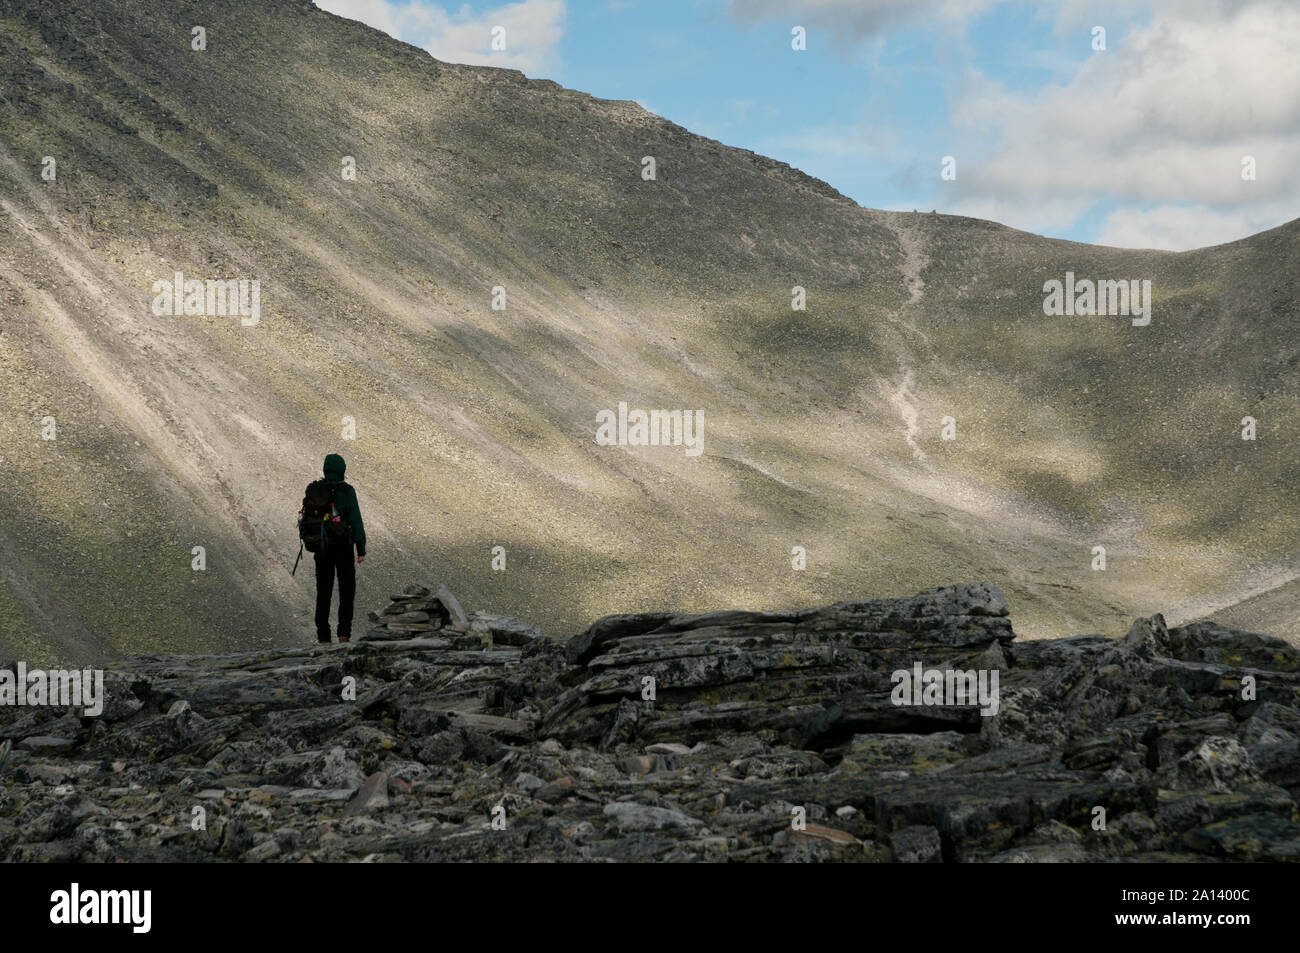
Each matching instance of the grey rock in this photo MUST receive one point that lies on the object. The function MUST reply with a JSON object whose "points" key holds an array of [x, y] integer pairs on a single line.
{"points": [[1253, 837], [644, 817], [1221, 764], [407, 617], [754, 714], [264, 851], [667, 747], [1043, 854], [452, 605], [528, 782], [1278, 762], [507, 631], [1146, 638], [372, 796], [332, 769], [916, 844]]}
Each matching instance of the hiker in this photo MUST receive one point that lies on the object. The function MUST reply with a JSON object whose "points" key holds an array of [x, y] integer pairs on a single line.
{"points": [[329, 526]]}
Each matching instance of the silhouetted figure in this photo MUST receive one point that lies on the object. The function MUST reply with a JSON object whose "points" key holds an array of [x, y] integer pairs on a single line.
{"points": [[329, 526]]}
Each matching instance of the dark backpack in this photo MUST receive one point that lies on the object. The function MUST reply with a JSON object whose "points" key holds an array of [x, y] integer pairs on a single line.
{"points": [[321, 524]]}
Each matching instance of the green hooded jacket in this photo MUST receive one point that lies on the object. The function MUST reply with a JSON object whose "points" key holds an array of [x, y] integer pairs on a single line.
{"points": [[345, 498]]}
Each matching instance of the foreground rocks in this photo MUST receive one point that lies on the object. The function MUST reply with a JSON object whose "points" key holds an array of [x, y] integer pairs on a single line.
{"points": [[744, 736]]}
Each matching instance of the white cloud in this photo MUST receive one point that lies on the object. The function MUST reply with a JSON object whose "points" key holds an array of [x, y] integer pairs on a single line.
{"points": [[533, 29], [1158, 123], [854, 20], [380, 14], [1167, 226], [1155, 127]]}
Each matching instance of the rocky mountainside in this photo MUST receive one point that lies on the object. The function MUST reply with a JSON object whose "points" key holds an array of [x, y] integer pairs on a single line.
{"points": [[741, 736], [130, 437]]}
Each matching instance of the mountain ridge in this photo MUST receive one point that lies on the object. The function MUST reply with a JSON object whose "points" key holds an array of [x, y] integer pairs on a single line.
{"points": [[475, 428]]}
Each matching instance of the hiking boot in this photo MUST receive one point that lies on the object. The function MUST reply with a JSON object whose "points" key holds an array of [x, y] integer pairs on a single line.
{"points": [[325, 641], [345, 638]]}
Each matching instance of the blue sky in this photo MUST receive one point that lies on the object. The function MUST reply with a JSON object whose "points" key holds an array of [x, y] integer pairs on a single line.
{"points": [[1139, 144], [869, 118]]}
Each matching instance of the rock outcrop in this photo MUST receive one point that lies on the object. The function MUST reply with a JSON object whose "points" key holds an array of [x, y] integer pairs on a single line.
{"points": [[755, 736]]}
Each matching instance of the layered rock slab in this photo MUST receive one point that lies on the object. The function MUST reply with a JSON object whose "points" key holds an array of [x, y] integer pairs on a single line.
{"points": [[768, 736]]}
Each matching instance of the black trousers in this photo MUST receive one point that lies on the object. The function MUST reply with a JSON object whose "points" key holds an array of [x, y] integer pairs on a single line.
{"points": [[330, 562]]}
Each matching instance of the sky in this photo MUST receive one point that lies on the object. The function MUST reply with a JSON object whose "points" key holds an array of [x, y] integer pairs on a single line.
{"points": [[1169, 124]]}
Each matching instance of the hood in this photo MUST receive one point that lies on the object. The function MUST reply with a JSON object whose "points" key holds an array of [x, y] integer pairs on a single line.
{"points": [[334, 467]]}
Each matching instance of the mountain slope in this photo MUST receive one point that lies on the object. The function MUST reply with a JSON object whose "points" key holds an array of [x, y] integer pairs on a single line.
{"points": [[475, 428]]}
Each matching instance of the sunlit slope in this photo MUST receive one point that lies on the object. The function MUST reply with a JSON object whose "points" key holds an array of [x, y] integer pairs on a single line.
{"points": [[474, 427]]}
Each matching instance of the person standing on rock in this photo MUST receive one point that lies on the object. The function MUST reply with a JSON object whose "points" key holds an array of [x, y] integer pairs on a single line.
{"points": [[330, 525]]}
